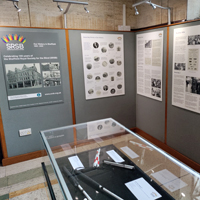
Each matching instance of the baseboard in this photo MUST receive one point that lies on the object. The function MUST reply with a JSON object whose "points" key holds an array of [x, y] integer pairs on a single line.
{"points": [[21, 158], [168, 149]]}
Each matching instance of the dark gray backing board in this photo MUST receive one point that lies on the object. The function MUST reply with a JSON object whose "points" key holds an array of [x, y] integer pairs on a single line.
{"points": [[150, 113], [183, 126], [36, 118], [120, 108]]}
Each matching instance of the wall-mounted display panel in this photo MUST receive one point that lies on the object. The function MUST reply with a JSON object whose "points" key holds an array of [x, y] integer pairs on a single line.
{"points": [[186, 68], [149, 64], [103, 63], [32, 68]]}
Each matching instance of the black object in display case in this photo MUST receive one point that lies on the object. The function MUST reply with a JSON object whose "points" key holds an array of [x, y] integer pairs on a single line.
{"points": [[112, 178]]}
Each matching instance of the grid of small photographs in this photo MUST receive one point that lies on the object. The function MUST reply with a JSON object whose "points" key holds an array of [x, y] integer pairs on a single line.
{"points": [[103, 67]]}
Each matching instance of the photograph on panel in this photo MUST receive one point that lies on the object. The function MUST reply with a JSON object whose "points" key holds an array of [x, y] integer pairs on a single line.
{"points": [[148, 43], [26, 75], [156, 92], [156, 83], [179, 66], [51, 74], [51, 78], [193, 39], [193, 85], [50, 66]]}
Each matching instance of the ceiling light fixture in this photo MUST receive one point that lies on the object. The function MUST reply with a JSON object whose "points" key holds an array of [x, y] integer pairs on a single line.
{"points": [[136, 11], [59, 7], [87, 11], [153, 6], [15, 5]]}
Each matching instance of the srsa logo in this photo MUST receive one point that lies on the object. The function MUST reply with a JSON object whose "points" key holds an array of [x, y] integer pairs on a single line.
{"points": [[19, 41], [119, 38], [160, 34]]}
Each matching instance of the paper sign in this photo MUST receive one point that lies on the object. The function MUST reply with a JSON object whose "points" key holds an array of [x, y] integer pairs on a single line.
{"points": [[129, 152], [142, 190], [76, 163], [115, 156], [169, 180]]}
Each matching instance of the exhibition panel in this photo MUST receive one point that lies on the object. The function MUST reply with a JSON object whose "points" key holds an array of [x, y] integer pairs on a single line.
{"points": [[108, 68], [34, 85], [104, 160], [183, 90], [151, 48]]}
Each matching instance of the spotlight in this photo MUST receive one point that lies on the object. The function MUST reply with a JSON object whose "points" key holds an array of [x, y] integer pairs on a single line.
{"points": [[15, 5], [153, 6], [87, 11], [58, 6], [136, 11]]}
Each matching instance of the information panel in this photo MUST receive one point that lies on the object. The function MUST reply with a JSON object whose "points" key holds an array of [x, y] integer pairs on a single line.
{"points": [[186, 69], [103, 63], [150, 64], [31, 62]]}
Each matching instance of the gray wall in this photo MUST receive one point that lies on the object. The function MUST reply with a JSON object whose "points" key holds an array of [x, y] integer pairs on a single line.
{"points": [[120, 108], [37, 118], [182, 125], [150, 113]]}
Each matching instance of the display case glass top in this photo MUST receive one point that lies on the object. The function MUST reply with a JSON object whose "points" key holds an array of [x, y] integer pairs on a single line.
{"points": [[105, 160]]}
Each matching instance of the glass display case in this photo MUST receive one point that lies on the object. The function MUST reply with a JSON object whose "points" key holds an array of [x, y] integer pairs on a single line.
{"points": [[104, 160]]}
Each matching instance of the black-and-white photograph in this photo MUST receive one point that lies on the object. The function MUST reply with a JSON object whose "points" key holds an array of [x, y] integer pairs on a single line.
{"points": [[119, 62], [99, 127], [148, 43], [156, 92], [91, 91], [194, 40], [97, 78], [156, 83], [96, 58], [105, 74], [104, 63], [104, 50], [105, 87], [51, 78], [114, 124], [96, 45], [89, 66], [111, 45], [118, 48], [112, 91], [193, 85], [111, 61], [50, 66], [21, 76], [119, 74], [89, 76], [119, 86], [179, 66]]}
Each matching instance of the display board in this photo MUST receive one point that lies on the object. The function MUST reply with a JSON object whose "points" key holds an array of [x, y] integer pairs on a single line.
{"points": [[32, 68], [182, 124], [103, 64], [186, 68], [149, 64], [38, 117], [150, 114], [121, 107]]}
